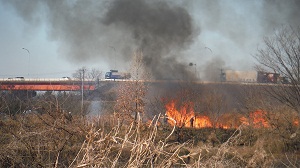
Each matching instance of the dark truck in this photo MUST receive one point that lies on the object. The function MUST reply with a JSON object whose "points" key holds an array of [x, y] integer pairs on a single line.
{"points": [[114, 74]]}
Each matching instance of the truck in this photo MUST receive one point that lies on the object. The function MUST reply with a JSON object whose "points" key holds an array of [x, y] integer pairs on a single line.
{"points": [[115, 74], [239, 76], [252, 77]]}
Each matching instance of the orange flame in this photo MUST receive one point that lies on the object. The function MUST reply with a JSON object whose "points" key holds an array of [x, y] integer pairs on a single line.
{"points": [[202, 122], [182, 117], [257, 119], [296, 122], [186, 117]]}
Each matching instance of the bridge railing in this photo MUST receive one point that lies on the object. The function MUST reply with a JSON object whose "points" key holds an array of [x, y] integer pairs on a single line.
{"points": [[42, 79]]}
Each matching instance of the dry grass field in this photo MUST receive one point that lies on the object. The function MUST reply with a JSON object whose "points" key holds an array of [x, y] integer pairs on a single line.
{"points": [[44, 140]]}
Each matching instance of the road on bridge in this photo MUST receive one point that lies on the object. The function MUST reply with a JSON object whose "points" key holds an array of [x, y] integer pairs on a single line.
{"points": [[46, 85]]}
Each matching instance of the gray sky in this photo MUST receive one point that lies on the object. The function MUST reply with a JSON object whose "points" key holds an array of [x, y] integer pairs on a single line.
{"points": [[62, 36]]}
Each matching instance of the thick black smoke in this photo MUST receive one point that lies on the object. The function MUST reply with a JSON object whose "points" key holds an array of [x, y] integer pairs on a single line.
{"points": [[160, 31]]}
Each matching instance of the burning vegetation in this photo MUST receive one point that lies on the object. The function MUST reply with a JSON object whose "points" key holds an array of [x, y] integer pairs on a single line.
{"points": [[185, 116]]}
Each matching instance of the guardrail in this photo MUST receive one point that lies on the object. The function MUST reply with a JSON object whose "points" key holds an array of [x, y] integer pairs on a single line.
{"points": [[42, 79]]}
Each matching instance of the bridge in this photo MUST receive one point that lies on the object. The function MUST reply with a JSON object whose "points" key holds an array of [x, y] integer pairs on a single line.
{"points": [[68, 84], [60, 84]]}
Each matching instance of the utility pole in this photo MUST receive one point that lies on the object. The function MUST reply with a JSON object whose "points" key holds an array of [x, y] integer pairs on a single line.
{"points": [[196, 70], [82, 80], [222, 75], [28, 66], [115, 64], [195, 65], [28, 60]]}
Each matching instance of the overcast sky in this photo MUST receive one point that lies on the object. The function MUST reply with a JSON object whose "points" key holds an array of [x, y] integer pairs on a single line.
{"points": [[62, 36]]}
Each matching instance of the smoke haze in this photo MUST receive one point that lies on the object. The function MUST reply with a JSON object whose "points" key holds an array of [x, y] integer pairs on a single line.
{"points": [[171, 34]]}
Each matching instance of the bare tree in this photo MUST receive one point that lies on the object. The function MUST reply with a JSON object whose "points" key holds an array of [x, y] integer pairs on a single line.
{"points": [[79, 74], [94, 74], [281, 54], [91, 74], [131, 94], [214, 105]]}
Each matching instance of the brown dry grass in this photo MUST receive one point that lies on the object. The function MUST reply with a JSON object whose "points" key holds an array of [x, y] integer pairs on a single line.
{"points": [[150, 146], [53, 141]]}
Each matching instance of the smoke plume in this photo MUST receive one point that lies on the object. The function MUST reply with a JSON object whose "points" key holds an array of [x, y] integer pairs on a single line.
{"points": [[164, 30], [159, 30], [97, 30]]}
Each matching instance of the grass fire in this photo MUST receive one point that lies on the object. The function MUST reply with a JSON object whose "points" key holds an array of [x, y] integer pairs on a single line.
{"points": [[186, 125], [174, 89], [185, 116]]}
